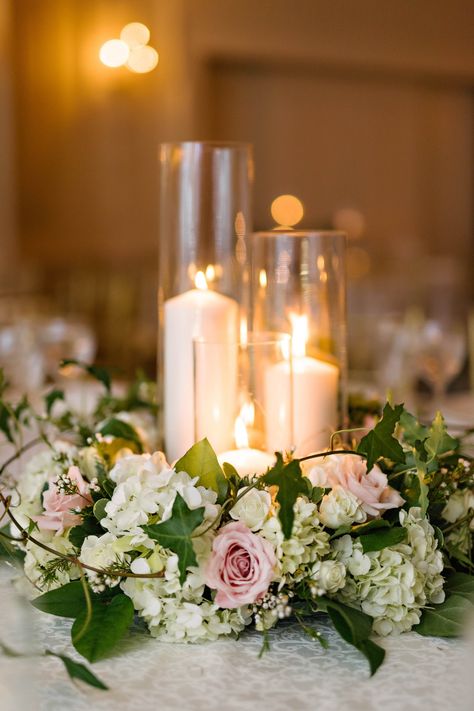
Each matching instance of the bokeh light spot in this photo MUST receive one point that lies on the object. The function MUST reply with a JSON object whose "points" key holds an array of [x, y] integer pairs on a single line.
{"points": [[287, 210], [142, 59], [114, 53], [135, 34]]}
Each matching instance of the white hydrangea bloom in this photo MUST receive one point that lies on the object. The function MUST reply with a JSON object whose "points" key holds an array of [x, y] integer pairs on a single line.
{"points": [[394, 584], [147, 486], [103, 552], [36, 560], [308, 542], [177, 613], [341, 508], [252, 509]]}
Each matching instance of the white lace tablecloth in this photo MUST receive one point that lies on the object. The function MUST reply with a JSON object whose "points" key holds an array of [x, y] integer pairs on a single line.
{"points": [[419, 673]]}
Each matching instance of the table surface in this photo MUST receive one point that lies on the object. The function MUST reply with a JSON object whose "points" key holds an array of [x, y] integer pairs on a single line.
{"points": [[227, 675]]}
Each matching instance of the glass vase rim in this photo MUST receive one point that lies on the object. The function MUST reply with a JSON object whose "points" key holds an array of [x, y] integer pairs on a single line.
{"points": [[264, 338], [209, 144], [288, 232]]}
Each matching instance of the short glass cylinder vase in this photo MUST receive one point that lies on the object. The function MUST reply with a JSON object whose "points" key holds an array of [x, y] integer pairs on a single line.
{"points": [[237, 406], [205, 213], [298, 285]]}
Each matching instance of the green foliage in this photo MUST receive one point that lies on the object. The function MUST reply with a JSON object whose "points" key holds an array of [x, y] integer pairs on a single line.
{"points": [[52, 397], [99, 509], [382, 538], [79, 671], [122, 430], [201, 461], [438, 440], [413, 431], [89, 527], [461, 584], [108, 623], [8, 551], [291, 484], [355, 627], [447, 619], [380, 442], [175, 533], [95, 371], [66, 601]]}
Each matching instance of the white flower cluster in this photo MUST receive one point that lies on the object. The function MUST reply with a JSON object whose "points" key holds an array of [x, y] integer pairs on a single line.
{"points": [[394, 584], [308, 543], [176, 613], [37, 561], [147, 486], [460, 508]]}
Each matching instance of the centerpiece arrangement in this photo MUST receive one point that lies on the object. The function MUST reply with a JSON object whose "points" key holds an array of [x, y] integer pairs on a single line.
{"points": [[270, 503]]}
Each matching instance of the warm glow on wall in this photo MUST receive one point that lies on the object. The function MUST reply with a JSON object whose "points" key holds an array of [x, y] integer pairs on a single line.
{"points": [[114, 53], [131, 50], [287, 210]]}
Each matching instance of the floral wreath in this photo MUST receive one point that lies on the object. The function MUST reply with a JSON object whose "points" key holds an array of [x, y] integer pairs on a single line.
{"points": [[378, 537]]}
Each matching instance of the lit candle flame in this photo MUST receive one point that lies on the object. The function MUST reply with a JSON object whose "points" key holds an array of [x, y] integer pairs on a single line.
{"points": [[245, 418], [300, 335], [262, 278], [200, 281]]}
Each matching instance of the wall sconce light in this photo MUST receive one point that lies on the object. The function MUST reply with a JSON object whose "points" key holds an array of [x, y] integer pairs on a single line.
{"points": [[131, 50]]}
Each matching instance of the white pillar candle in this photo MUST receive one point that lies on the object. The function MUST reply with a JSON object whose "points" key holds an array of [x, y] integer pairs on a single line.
{"points": [[198, 313], [247, 461], [315, 400]]}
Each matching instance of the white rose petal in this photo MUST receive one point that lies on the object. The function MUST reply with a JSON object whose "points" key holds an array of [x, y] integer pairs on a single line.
{"points": [[340, 508], [252, 509]]}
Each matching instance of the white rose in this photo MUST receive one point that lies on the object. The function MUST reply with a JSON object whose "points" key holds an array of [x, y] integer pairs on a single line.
{"points": [[252, 509], [458, 505], [340, 508], [329, 575]]}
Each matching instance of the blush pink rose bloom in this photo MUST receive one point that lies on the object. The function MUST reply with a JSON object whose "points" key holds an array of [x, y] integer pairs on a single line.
{"points": [[57, 515], [350, 472], [240, 567]]}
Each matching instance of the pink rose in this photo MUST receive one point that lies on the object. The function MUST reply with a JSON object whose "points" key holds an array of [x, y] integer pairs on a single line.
{"points": [[241, 566], [350, 472], [57, 513]]}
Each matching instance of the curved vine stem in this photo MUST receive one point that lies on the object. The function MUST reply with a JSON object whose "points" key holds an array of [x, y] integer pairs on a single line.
{"points": [[87, 621], [329, 453]]}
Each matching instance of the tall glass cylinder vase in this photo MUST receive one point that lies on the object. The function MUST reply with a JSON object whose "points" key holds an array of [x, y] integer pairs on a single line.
{"points": [[205, 214], [298, 286]]}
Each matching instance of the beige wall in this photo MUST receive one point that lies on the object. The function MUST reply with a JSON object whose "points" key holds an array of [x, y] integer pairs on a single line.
{"points": [[366, 104], [7, 179]]}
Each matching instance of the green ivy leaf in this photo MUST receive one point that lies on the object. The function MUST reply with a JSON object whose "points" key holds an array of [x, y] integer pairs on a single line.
{"points": [[291, 484], [52, 397], [413, 431], [66, 601], [175, 533], [201, 461], [372, 525], [380, 441], [439, 441], [447, 619], [380, 539], [122, 430], [108, 624], [317, 493], [355, 627], [76, 670]]}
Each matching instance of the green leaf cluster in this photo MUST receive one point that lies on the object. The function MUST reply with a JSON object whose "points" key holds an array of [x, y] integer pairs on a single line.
{"points": [[449, 618], [291, 483], [380, 442], [355, 627], [201, 461], [97, 628], [176, 533]]}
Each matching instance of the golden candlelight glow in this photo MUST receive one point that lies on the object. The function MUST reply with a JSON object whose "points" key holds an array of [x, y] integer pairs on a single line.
{"points": [[200, 281], [262, 278], [300, 335], [210, 272], [287, 210], [135, 34], [114, 53], [245, 418]]}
